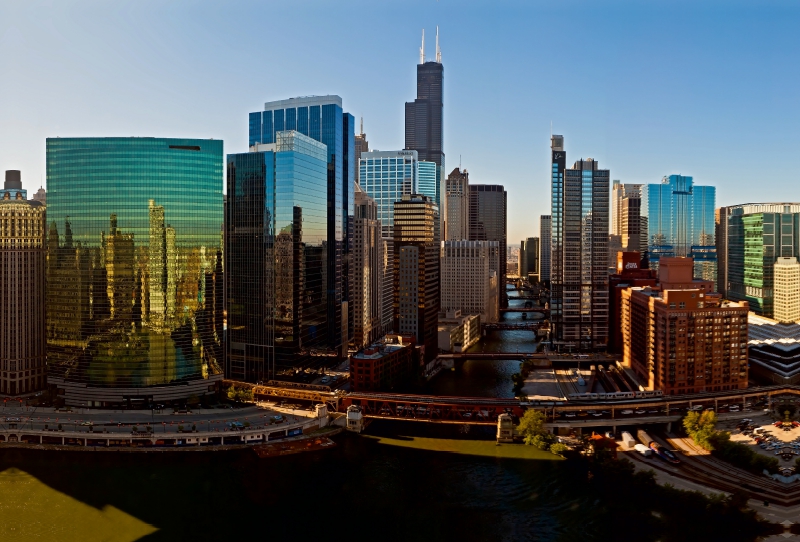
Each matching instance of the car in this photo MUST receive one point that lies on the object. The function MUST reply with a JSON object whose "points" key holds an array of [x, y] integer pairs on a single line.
{"points": [[653, 411], [639, 411], [583, 414], [710, 409], [734, 408], [627, 412], [695, 408], [570, 414], [13, 419], [277, 418], [324, 380], [89, 424]]}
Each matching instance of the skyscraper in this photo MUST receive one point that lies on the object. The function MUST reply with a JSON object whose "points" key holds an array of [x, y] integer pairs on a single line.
{"points": [[386, 176], [132, 251], [528, 266], [22, 292], [427, 183], [756, 235], [787, 290], [416, 271], [13, 185], [469, 278], [361, 146], [457, 195], [487, 222], [424, 125], [322, 119], [579, 292], [545, 234], [276, 257], [680, 219], [367, 270]]}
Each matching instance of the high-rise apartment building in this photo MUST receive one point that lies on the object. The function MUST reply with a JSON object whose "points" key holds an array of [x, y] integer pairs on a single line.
{"points": [[680, 217], [545, 240], [787, 290], [416, 271], [756, 235], [276, 257], [528, 265], [22, 291], [361, 146], [322, 119], [134, 285], [457, 194], [423, 116], [681, 338], [487, 222], [367, 270], [469, 278], [628, 272], [580, 259]]}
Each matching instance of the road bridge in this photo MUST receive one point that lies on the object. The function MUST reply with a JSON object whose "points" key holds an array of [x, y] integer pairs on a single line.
{"points": [[517, 326], [492, 355], [529, 309], [330, 398]]}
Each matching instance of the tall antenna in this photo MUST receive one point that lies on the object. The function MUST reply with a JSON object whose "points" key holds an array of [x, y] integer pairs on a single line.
{"points": [[422, 49], [438, 51], [362, 125]]}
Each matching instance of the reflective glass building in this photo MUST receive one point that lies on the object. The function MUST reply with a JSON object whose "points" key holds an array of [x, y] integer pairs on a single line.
{"points": [[276, 251], [386, 176], [322, 119], [134, 271], [680, 222], [427, 184]]}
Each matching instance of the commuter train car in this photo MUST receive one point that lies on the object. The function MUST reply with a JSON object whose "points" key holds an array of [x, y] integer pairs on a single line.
{"points": [[660, 451]]}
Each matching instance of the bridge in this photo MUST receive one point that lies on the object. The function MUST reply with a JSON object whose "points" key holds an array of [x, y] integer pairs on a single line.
{"points": [[529, 309], [314, 394], [505, 326], [492, 355]]}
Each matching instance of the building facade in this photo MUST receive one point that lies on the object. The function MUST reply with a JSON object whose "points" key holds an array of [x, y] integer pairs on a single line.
{"points": [[628, 273], [367, 271], [361, 146], [428, 183], [469, 278], [680, 338], [276, 254], [757, 234], [680, 223], [322, 119], [545, 240], [416, 271], [528, 265], [457, 193], [13, 185], [386, 176], [384, 365], [488, 222], [134, 285], [580, 258], [22, 293], [786, 307]]}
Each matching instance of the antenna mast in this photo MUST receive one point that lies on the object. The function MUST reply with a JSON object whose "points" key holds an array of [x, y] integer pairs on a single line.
{"points": [[438, 51], [422, 49], [362, 125]]}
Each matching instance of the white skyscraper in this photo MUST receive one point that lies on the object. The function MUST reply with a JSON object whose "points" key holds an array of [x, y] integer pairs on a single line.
{"points": [[469, 279], [367, 253]]}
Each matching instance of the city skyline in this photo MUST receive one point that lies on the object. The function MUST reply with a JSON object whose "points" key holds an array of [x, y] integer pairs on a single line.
{"points": [[659, 109]]}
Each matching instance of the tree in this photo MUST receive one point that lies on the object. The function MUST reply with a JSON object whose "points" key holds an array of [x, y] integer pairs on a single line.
{"points": [[701, 427], [558, 448]]}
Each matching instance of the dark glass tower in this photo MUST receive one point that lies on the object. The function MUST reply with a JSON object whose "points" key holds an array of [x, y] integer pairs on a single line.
{"points": [[133, 269], [321, 118], [487, 222], [424, 125], [276, 250]]}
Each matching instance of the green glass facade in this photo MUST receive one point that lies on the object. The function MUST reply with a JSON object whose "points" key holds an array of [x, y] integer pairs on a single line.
{"points": [[134, 271], [755, 241]]}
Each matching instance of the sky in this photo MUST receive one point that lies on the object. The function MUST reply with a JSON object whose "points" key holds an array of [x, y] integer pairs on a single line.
{"points": [[707, 89]]}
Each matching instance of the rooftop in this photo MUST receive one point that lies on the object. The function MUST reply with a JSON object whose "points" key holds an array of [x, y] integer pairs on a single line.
{"points": [[765, 331]]}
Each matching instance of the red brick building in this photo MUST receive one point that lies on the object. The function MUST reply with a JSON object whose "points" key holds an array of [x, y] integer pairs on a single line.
{"points": [[629, 273], [385, 364], [679, 337]]}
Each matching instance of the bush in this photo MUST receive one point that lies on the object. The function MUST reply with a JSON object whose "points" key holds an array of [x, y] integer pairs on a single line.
{"points": [[742, 456], [180, 429], [240, 395], [559, 449]]}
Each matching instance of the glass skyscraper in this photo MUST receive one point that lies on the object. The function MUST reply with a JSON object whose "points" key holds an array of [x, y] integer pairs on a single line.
{"points": [[386, 176], [322, 119], [680, 222], [134, 270], [754, 236], [277, 253], [487, 222], [427, 183]]}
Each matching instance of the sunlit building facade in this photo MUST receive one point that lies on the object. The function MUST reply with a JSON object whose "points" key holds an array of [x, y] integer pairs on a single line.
{"points": [[134, 270]]}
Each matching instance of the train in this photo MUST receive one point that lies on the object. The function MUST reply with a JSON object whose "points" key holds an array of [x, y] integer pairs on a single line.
{"points": [[659, 450], [616, 395]]}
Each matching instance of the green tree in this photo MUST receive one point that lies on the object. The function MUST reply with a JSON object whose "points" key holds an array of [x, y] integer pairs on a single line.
{"points": [[558, 448]]}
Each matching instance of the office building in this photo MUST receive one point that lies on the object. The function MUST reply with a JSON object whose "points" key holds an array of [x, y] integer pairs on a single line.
{"points": [[133, 269], [469, 278], [276, 257], [487, 222], [22, 292], [427, 183], [628, 272], [528, 263], [386, 176], [416, 271], [721, 240], [40, 195], [633, 229], [757, 234], [361, 146], [681, 338], [773, 350], [680, 217], [614, 248], [579, 276], [367, 270], [457, 205], [457, 331], [786, 306], [13, 185], [545, 240], [384, 365], [322, 119], [424, 115]]}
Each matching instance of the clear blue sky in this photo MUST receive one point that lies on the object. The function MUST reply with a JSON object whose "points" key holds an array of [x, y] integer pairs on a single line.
{"points": [[648, 88]]}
